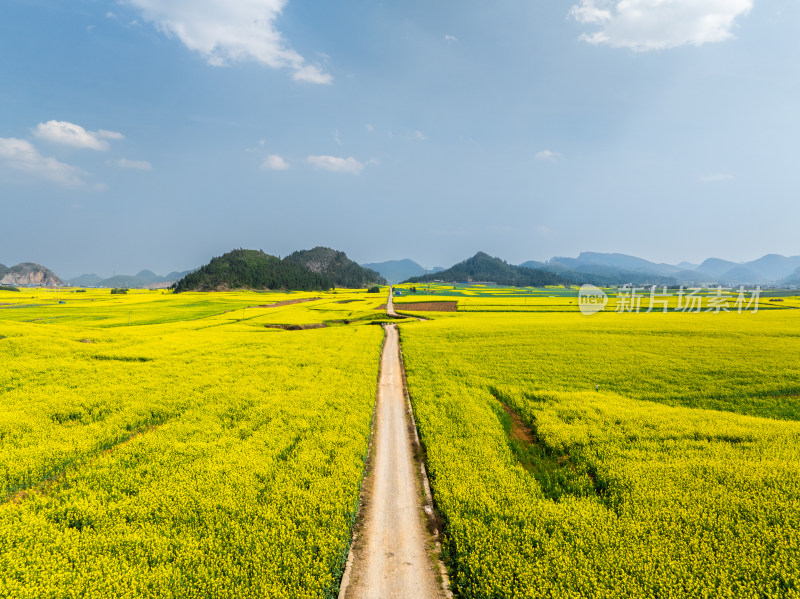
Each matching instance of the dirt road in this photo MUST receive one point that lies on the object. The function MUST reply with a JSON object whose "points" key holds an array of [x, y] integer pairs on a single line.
{"points": [[390, 303], [391, 555]]}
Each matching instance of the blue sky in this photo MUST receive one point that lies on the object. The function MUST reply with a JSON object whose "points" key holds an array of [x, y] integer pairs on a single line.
{"points": [[158, 133]]}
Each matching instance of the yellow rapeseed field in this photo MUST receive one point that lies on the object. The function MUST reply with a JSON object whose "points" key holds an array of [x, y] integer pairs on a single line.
{"points": [[160, 445], [192, 453], [617, 455]]}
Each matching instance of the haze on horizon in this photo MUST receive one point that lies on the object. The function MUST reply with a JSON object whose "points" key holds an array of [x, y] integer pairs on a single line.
{"points": [[155, 134]]}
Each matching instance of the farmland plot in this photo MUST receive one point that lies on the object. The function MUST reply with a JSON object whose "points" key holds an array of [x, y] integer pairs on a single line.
{"points": [[201, 456], [617, 456]]}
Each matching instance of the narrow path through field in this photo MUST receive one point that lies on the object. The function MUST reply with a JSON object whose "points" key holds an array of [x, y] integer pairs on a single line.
{"points": [[393, 554], [390, 303]]}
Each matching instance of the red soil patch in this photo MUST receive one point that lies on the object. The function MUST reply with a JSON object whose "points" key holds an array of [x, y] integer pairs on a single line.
{"points": [[519, 430], [287, 303], [297, 327], [427, 306]]}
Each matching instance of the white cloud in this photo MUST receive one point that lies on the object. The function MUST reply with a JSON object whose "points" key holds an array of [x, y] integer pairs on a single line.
{"points": [[230, 31], [140, 165], [417, 136], [369, 128], [643, 25], [716, 178], [21, 155], [450, 38], [103, 134], [273, 162], [69, 134], [336, 165], [544, 231], [311, 74], [548, 155]]}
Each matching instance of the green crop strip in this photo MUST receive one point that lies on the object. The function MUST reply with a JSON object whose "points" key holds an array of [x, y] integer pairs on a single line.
{"points": [[558, 472]]}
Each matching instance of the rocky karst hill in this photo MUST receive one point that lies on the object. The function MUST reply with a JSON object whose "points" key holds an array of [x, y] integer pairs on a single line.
{"points": [[317, 269], [28, 274], [336, 267]]}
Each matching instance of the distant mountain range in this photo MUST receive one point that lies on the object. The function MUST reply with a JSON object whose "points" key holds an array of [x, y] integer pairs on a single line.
{"points": [[611, 269], [395, 271], [337, 270], [772, 269], [310, 270], [144, 279], [484, 268]]}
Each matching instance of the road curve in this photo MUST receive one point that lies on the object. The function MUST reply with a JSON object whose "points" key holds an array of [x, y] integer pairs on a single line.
{"points": [[391, 555]]}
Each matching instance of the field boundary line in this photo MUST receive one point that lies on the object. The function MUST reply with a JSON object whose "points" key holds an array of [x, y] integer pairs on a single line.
{"points": [[368, 465], [429, 508], [49, 482]]}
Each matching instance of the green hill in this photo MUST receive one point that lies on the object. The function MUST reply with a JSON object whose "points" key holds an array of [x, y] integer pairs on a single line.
{"points": [[483, 268], [336, 267], [251, 269]]}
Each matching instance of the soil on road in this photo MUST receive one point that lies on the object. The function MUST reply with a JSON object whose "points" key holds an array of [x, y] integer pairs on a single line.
{"points": [[393, 553], [390, 304]]}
